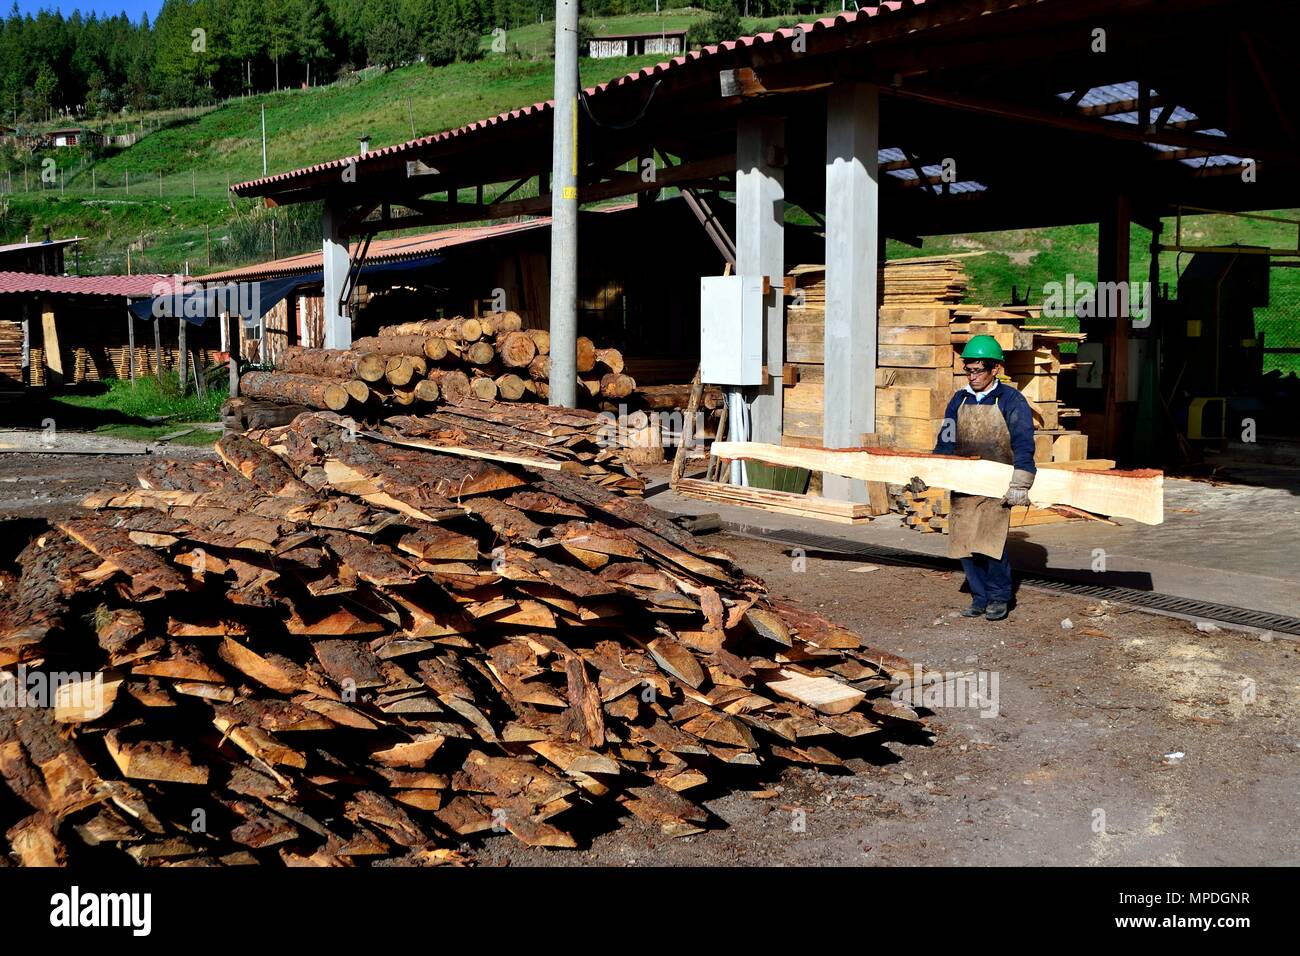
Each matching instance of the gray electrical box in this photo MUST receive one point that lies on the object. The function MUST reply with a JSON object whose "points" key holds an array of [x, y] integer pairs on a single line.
{"points": [[731, 330]]}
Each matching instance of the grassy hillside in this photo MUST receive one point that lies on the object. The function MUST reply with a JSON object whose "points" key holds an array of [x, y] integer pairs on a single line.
{"points": [[310, 126], [162, 192]]}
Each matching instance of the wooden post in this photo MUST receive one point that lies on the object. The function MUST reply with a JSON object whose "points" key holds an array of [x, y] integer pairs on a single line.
{"points": [[157, 347], [687, 433], [130, 344], [50, 341], [182, 354]]}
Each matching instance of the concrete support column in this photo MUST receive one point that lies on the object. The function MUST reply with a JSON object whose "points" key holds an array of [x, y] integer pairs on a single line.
{"points": [[334, 247], [563, 323], [852, 250], [760, 251], [1113, 252]]}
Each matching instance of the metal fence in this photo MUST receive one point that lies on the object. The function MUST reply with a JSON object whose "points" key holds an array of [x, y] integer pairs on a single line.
{"points": [[89, 182], [1278, 324]]}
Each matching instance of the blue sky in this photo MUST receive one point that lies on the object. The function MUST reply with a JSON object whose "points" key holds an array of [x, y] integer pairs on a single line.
{"points": [[132, 8]]}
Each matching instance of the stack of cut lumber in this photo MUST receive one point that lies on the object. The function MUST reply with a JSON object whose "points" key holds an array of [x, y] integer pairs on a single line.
{"points": [[923, 327], [918, 347], [439, 360], [332, 649], [928, 511], [11, 354], [924, 512], [776, 502]]}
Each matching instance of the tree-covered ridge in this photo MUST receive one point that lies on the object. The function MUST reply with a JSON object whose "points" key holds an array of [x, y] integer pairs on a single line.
{"points": [[203, 51]]}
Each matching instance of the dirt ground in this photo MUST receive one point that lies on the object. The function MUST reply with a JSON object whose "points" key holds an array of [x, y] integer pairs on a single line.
{"points": [[52, 486], [1072, 770]]}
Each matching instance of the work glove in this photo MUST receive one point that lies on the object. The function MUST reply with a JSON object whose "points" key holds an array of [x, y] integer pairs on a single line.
{"points": [[1018, 493], [916, 486]]}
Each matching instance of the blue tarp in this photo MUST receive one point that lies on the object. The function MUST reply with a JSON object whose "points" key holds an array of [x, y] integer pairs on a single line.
{"points": [[251, 300]]}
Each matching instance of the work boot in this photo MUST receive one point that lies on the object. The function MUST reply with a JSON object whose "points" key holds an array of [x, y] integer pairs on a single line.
{"points": [[975, 610], [995, 612]]}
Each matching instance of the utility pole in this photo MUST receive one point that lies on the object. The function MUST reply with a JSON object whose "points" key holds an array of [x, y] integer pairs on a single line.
{"points": [[564, 209], [264, 129]]}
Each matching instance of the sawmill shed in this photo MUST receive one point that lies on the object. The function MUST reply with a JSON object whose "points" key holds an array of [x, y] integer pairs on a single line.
{"points": [[903, 120], [645, 305], [58, 331]]}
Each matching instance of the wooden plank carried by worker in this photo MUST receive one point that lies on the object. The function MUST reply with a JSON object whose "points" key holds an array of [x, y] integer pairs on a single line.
{"points": [[1123, 494]]}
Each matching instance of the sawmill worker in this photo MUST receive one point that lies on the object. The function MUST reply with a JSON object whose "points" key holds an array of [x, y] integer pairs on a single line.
{"points": [[992, 420]]}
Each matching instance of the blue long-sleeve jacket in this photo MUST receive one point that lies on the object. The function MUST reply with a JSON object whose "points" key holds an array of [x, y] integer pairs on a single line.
{"points": [[1020, 423]]}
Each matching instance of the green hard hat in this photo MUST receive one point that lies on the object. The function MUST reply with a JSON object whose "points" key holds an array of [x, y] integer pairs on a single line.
{"points": [[983, 347]]}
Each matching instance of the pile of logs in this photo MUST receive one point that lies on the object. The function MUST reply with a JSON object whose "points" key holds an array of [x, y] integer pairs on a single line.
{"points": [[449, 360], [332, 647]]}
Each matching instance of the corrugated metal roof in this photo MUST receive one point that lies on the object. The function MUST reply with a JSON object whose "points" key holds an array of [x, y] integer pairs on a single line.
{"points": [[136, 286], [812, 30], [381, 250]]}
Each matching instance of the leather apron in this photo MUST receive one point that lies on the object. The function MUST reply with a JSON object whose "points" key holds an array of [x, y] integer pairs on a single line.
{"points": [[978, 525]]}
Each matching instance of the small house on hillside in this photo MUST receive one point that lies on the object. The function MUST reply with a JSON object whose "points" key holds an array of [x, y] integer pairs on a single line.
{"points": [[663, 42], [72, 136]]}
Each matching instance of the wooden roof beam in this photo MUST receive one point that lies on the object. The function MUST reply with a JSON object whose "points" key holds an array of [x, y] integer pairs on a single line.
{"points": [[436, 213], [1038, 116]]}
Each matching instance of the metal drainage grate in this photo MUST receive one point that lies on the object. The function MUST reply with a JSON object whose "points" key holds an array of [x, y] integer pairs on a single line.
{"points": [[1151, 600]]}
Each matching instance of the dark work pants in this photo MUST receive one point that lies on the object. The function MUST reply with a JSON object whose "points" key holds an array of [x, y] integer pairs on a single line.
{"points": [[989, 578]]}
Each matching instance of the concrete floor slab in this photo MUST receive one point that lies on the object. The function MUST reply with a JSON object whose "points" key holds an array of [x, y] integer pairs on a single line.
{"points": [[1229, 544]]}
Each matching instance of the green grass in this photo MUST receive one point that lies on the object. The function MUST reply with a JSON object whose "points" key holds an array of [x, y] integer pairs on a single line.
{"points": [[304, 127], [151, 433], [146, 412], [148, 399]]}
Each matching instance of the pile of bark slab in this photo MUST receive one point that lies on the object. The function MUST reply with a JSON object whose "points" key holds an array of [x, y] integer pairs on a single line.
{"points": [[335, 646], [438, 360]]}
